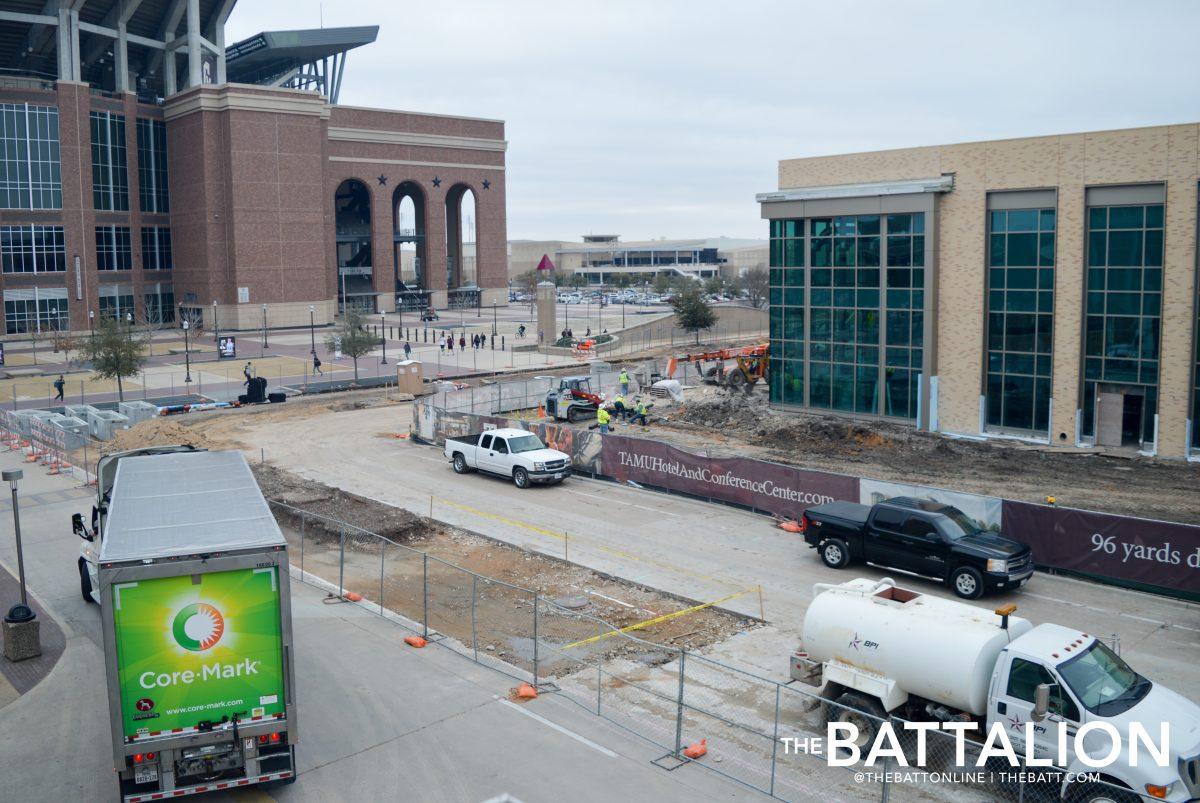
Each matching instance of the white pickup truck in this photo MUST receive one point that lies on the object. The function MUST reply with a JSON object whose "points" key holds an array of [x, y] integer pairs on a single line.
{"points": [[887, 651], [514, 453]]}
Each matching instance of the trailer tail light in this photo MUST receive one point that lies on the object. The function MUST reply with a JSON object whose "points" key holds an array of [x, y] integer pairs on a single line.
{"points": [[150, 756], [275, 738], [262, 739], [138, 758]]}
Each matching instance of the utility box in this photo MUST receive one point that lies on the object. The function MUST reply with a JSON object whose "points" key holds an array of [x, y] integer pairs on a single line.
{"points": [[80, 411], [137, 411], [104, 423], [409, 378], [75, 430]]}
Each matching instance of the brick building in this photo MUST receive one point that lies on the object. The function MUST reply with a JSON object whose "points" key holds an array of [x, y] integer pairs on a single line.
{"points": [[1042, 288], [146, 171]]}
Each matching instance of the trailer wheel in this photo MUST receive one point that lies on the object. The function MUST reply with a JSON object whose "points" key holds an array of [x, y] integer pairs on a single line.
{"points": [[460, 464], [864, 712], [1101, 793], [835, 553], [967, 582], [520, 477], [85, 582]]}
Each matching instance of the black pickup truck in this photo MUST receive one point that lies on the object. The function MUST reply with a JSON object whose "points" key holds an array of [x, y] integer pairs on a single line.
{"points": [[920, 537]]}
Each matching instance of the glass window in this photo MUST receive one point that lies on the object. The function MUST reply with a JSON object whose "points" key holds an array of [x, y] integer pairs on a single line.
{"points": [[152, 165], [110, 175], [113, 248], [1122, 325], [30, 168], [1022, 260], [485, 442], [156, 248], [1025, 676], [888, 518], [35, 310], [32, 249], [160, 304]]}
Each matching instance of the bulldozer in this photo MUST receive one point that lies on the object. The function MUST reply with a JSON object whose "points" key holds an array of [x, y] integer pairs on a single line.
{"points": [[750, 366], [573, 399]]}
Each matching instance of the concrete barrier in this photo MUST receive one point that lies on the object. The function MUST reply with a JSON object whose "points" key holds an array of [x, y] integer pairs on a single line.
{"points": [[137, 411]]}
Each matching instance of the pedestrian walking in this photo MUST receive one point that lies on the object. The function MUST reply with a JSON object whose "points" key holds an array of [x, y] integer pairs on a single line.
{"points": [[441, 344], [602, 418], [407, 349], [59, 384], [317, 365], [248, 372], [462, 343], [623, 379], [450, 343]]}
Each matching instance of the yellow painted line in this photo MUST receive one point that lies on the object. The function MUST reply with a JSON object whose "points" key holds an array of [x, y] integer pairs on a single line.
{"points": [[533, 528], [656, 620]]}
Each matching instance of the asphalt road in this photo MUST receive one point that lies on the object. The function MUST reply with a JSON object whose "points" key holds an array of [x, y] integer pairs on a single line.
{"points": [[699, 550], [378, 720]]}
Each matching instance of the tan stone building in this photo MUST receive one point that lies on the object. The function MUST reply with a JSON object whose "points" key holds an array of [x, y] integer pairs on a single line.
{"points": [[1041, 288]]}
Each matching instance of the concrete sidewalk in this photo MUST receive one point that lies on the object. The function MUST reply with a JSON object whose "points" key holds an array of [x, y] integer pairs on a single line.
{"points": [[18, 678]]}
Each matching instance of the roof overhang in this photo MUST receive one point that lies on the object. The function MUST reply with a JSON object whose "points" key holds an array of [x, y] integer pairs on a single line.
{"points": [[871, 189]]}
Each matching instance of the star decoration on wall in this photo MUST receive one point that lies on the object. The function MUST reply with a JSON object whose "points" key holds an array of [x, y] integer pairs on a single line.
{"points": [[487, 185], [382, 179], [437, 182]]}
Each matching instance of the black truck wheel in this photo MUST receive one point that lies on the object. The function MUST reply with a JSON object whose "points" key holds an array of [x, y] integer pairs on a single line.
{"points": [[835, 553], [460, 464], [864, 712], [967, 582], [520, 477], [85, 582]]}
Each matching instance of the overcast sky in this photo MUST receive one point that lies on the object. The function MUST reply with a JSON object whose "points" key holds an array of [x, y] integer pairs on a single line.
{"points": [[663, 119]]}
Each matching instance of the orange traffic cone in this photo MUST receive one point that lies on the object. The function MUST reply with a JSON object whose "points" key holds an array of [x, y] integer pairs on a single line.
{"points": [[696, 749], [415, 641], [526, 692]]}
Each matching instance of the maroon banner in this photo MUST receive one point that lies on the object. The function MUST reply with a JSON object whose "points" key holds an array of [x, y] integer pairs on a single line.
{"points": [[784, 491], [1162, 554]]}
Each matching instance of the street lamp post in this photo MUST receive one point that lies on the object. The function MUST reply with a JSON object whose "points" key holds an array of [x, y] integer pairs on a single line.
{"points": [[312, 327], [22, 630], [264, 345], [187, 352], [216, 329], [383, 332], [493, 319], [92, 322]]}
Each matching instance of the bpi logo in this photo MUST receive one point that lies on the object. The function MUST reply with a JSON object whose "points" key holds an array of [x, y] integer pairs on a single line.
{"points": [[865, 644], [198, 626]]}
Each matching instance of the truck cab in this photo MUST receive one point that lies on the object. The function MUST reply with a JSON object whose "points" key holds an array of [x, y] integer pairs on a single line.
{"points": [[93, 535], [1082, 680]]}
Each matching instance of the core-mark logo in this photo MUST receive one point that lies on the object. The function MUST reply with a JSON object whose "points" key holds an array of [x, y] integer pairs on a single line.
{"points": [[197, 627]]}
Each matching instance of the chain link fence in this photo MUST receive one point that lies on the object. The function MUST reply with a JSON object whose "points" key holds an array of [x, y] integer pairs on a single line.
{"points": [[670, 697]]}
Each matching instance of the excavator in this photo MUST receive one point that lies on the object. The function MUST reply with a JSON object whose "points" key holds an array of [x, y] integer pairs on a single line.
{"points": [[750, 366]]}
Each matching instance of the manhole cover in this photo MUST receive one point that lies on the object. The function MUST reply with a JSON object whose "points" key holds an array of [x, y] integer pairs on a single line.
{"points": [[571, 603]]}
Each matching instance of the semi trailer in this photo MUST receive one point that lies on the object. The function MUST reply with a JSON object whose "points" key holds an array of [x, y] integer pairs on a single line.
{"points": [[190, 571], [879, 651]]}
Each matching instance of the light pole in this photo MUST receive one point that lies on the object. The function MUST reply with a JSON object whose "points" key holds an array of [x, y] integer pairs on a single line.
{"points": [[216, 330], [264, 309], [92, 323], [493, 319], [383, 332], [20, 612], [312, 327], [187, 353]]}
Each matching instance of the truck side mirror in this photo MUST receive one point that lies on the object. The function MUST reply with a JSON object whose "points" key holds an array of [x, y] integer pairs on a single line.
{"points": [[78, 528], [1041, 702]]}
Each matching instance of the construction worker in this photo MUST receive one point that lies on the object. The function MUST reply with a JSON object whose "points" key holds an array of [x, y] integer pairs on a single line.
{"points": [[619, 407], [623, 379], [639, 412], [602, 418]]}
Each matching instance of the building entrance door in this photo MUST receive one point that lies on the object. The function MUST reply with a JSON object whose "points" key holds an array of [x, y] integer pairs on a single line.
{"points": [[1119, 416]]}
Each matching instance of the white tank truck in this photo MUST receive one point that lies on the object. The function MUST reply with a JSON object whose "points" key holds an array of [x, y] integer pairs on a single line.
{"points": [[891, 652]]}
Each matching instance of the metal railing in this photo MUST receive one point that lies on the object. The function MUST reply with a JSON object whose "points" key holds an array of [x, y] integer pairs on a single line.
{"points": [[668, 696]]}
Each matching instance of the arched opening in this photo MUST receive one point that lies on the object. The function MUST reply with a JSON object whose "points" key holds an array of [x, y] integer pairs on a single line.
{"points": [[461, 273], [352, 224], [408, 243]]}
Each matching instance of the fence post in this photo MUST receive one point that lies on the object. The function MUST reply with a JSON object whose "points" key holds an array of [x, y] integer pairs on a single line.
{"points": [[886, 790], [679, 708], [382, 555], [474, 638], [341, 559], [535, 639], [425, 595], [303, 522], [775, 739]]}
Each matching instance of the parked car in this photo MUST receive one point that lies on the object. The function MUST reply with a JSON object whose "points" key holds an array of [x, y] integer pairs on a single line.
{"points": [[515, 453], [920, 537]]}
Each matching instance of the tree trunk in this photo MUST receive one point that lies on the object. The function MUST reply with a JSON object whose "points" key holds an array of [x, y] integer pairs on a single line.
{"points": [[120, 389], [355, 370]]}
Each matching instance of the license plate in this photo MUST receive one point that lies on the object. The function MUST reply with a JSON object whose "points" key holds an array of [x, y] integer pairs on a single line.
{"points": [[558, 476], [145, 773]]}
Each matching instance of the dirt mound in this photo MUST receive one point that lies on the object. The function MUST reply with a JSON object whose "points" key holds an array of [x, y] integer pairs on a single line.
{"points": [[162, 432]]}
